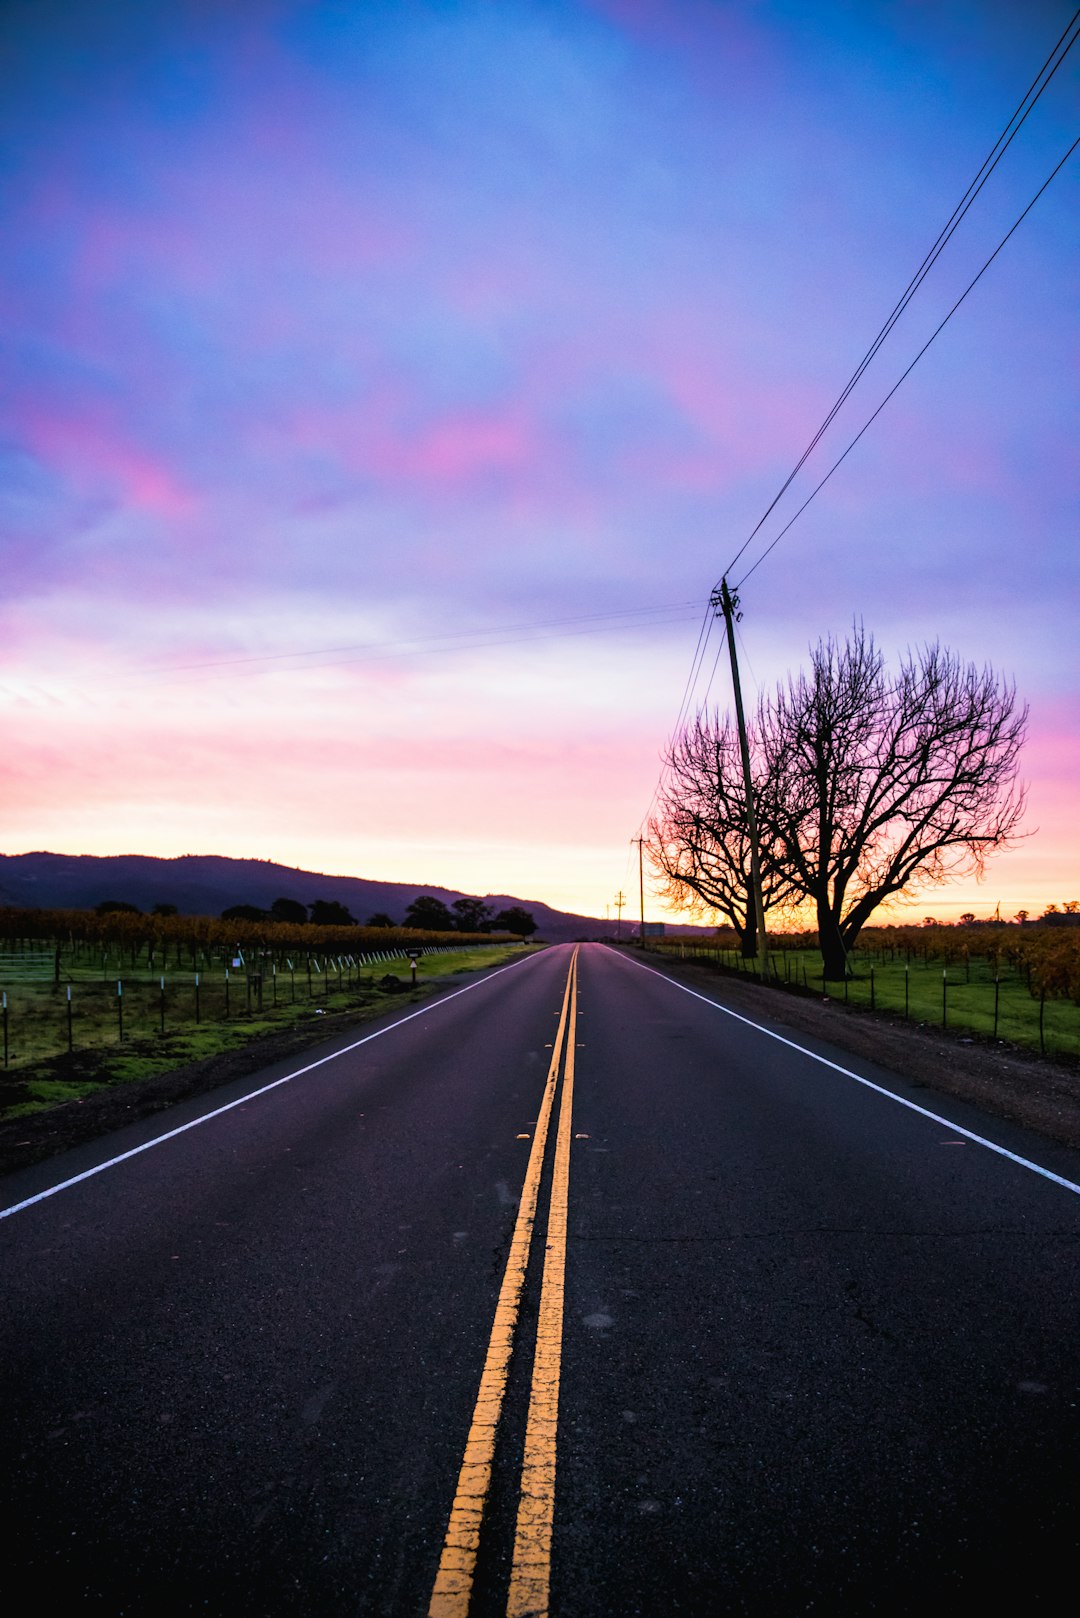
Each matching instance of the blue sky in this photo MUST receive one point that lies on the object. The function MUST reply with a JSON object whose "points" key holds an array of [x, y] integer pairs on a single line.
{"points": [[396, 328]]}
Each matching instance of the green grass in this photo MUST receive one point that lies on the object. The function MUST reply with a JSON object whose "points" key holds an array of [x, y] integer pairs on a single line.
{"points": [[967, 1005], [42, 1094]]}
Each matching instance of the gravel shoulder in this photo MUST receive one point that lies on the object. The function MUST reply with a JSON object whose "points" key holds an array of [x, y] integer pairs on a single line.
{"points": [[1039, 1093]]}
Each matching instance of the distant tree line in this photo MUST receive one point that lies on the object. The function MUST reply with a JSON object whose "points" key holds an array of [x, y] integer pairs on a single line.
{"points": [[425, 913], [468, 916]]}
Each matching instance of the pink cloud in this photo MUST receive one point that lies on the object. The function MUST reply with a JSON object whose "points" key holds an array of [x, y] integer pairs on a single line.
{"points": [[743, 417], [458, 449], [95, 456], [449, 452]]}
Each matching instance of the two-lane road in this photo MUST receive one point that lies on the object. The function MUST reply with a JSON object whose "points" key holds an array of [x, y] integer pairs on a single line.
{"points": [[569, 1292]]}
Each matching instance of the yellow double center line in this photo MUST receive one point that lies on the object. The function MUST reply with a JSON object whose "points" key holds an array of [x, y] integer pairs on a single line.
{"points": [[530, 1575]]}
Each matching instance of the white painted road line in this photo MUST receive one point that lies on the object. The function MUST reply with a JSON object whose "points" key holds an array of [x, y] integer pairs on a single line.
{"points": [[913, 1106], [182, 1129]]}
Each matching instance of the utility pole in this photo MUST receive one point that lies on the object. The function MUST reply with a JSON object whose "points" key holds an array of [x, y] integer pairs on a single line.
{"points": [[620, 900], [641, 884], [723, 602]]}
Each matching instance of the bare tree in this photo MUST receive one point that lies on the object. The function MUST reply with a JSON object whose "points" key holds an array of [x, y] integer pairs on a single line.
{"points": [[877, 783], [699, 844]]}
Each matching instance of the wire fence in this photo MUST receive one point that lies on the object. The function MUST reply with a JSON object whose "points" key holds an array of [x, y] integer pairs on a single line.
{"points": [[57, 1001], [985, 997]]}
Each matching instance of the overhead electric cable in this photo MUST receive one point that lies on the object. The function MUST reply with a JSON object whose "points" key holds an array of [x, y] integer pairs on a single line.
{"points": [[684, 707], [905, 374], [696, 663], [1061, 48], [716, 665], [436, 642], [695, 666], [1064, 44]]}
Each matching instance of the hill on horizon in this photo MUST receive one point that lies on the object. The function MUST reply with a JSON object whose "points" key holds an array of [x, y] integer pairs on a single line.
{"points": [[206, 884]]}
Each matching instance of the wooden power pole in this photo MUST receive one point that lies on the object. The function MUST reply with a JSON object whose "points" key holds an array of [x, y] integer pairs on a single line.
{"points": [[725, 603], [641, 884]]}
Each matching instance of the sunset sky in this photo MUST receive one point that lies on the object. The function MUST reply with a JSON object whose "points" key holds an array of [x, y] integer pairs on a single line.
{"points": [[386, 386]]}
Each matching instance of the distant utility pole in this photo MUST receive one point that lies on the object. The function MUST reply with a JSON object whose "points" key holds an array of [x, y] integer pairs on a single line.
{"points": [[641, 884], [620, 900], [723, 602]]}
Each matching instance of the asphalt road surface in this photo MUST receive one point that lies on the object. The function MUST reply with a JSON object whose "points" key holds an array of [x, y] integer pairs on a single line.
{"points": [[571, 1292]]}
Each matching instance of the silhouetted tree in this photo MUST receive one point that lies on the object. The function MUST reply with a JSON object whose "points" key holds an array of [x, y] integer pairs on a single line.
{"points": [[290, 910], [866, 784], [243, 913], [329, 913], [164, 910], [699, 842], [879, 783], [471, 915], [429, 913], [515, 919], [380, 919], [107, 906], [1067, 916]]}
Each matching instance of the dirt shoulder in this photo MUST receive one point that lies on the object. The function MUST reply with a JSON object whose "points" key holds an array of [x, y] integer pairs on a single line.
{"points": [[1038, 1092]]}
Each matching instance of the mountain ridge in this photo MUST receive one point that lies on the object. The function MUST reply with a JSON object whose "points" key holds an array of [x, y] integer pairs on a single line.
{"points": [[206, 884]]}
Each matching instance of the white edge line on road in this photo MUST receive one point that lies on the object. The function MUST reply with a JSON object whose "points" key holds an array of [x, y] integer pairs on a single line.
{"points": [[170, 1134], [980, 1140]]}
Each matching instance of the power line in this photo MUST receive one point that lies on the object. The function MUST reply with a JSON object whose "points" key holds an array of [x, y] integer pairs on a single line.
{"points": [[1012, 128], [716, 665], [905, 374], [695, 667], [660, 776], [692, 678], [990, 162], [642, 618]]}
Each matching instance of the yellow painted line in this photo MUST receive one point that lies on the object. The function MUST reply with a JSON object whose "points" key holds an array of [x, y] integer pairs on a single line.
{"points": [[457, 1564], [530, 1575]]}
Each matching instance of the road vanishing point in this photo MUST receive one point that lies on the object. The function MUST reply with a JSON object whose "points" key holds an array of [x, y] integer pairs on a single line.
{"points": [[570, 1291]]}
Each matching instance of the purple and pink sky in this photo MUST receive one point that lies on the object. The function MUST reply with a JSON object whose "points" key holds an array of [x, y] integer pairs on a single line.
{"points": [[385, 387]]}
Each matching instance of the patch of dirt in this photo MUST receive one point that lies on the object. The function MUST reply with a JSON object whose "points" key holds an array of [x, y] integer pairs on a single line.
{"points": [[1042, 1093]]}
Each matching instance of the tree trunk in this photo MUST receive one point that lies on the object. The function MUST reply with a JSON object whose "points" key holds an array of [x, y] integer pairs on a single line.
{"points": [[833, 954], [748, 932]]}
